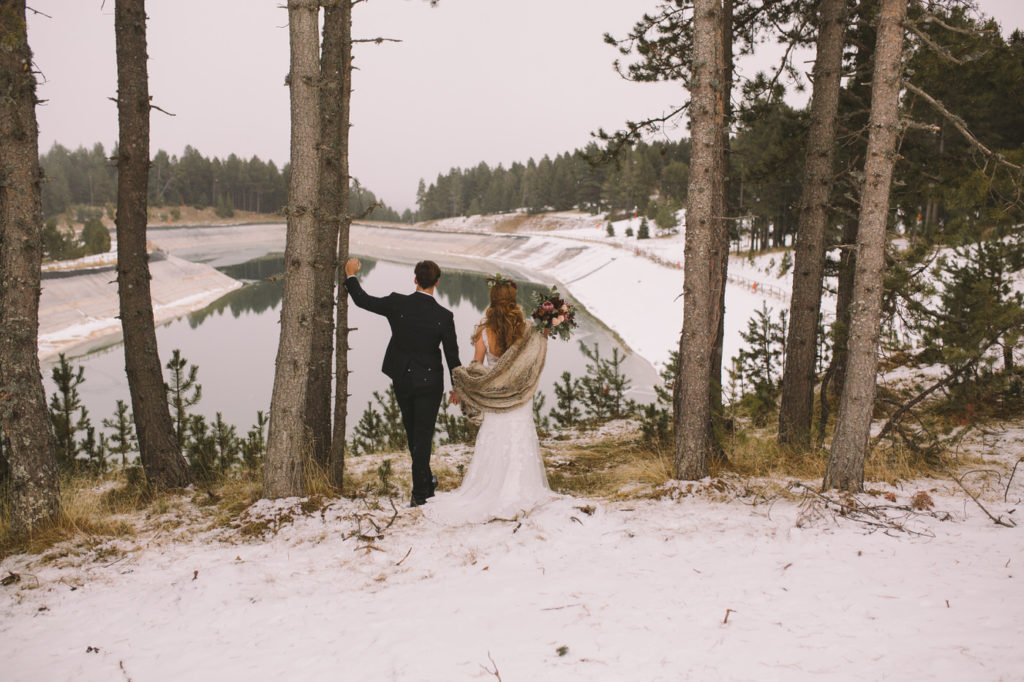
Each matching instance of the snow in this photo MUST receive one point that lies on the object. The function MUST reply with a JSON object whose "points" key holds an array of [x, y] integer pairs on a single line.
{"points": [[702, 584], [601, 272], [712, 580]]}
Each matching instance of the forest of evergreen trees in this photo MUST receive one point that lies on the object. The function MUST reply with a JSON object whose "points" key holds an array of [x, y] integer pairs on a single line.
{"points": [[938, 190], [87, 177], [579, 179]]}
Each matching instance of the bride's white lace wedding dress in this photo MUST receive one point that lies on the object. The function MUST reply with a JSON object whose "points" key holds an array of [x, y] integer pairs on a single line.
{"points": [[506, 476]]}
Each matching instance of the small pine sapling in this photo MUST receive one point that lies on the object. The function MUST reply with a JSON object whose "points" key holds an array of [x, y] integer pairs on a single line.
{"points": [[183, 392]]}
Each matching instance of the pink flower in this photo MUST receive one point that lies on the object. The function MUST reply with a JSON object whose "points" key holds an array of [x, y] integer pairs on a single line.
{"points": [[564, 308], [557, 321], [547, 306]]}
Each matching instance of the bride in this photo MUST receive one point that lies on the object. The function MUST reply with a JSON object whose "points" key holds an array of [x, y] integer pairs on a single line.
{"points": [[506, 476]]}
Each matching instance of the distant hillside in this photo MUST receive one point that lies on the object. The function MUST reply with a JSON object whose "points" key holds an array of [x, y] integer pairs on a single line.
{"points": [[87, 177]]}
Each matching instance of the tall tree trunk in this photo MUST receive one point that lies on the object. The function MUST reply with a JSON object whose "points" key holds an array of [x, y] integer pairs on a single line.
{"points": [[705, 239], [797, 407], [718, 454], [340, 19], [32, 463], [333, 109], [160, 453], [288, 441], [850, 441]]}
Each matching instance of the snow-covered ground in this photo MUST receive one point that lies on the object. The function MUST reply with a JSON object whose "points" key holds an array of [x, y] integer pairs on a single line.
{"points": [[710, 582]]}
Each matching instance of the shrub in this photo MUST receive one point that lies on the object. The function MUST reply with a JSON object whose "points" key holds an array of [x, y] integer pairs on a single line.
{"points": [[645, 230], [95, 237]]}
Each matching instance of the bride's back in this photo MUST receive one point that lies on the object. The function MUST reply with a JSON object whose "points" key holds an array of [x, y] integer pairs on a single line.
{"points": [[503, 320]]}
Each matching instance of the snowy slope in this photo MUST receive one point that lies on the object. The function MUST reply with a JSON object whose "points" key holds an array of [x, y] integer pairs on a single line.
{"points": [[710, 585]]}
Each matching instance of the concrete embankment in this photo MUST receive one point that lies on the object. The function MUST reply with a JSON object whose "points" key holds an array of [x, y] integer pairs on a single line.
{"points": [[80, 307]]}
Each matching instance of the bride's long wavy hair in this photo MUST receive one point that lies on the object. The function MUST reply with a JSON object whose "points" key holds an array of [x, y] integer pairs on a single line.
{"points": [[504, 317]]}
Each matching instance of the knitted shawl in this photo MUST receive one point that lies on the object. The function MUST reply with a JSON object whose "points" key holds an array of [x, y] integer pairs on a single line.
{"points": [[509, 384]]}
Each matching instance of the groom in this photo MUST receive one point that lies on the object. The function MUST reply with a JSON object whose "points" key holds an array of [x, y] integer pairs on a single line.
{"points": [[419, 326]]}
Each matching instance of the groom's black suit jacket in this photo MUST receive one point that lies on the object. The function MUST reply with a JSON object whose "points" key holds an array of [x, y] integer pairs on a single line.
{"points": [[420, 326]]}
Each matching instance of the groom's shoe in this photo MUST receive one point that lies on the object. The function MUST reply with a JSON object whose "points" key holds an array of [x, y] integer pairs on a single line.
{"points": [[415, 501]]}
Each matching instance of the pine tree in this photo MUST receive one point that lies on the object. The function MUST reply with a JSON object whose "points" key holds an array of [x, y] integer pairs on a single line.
{"points": [[254, 447], [201, 448], [604, 386], [95, 237], [656, 417], [797, 403], [850, 441], [380, 430], [34, 488], [226, 443], [161, 457], [540, 420], [183, 392], [666, 218], [68, 415], [335, 111], [568, 396], [979, 305], [123, 441], [759, 362], [287, 440], [645, 230], [706, 248]]}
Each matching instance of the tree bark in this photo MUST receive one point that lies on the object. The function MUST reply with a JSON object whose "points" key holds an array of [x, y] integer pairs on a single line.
{"points": [[336, 44], [158, 449], [796, 411], [340, 20], [850, 442], [718, 456], [35, 494], [704, 241], [288, 441]]}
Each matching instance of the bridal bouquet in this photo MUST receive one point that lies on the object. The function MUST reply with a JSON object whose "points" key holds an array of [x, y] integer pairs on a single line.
{"points": [[553, 315]]}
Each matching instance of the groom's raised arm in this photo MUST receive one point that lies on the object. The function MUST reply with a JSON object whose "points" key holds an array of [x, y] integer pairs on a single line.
{"points": [[360, 297], [363, 299]]}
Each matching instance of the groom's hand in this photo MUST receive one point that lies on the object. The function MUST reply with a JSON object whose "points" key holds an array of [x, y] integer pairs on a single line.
{"points": [[352, 266], [453, 397]]}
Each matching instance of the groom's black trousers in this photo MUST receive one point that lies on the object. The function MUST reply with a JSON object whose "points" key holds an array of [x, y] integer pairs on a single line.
{"points": [[419, 406]]}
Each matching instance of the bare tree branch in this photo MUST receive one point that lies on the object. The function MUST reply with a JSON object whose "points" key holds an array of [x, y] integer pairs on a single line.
{"points": [[931, 18], [1008, 523], [959, 124], [938, 49]]}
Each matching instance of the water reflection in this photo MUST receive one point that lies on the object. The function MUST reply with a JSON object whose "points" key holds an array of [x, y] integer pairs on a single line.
{"points": [[265, 288], [235, 352]]}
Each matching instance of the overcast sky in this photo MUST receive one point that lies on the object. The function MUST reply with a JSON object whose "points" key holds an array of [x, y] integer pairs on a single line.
{"points": [[472, 80]]}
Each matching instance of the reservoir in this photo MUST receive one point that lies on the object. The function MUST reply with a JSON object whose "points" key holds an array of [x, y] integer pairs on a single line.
{"points": [[234, 342]]}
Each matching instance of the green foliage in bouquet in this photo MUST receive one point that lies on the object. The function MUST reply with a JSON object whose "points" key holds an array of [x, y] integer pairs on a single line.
{"points": [[553, 315]]}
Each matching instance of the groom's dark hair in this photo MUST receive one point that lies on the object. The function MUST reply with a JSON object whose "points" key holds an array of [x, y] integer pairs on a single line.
{"points": [[427, 273]]}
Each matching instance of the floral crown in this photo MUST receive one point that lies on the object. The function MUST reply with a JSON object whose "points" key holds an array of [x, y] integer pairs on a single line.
{"points": [[496, 279]]}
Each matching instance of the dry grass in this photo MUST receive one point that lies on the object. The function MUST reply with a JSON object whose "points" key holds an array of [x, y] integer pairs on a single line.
{"points": [[88, 511], [228, 497], [614, 467], [609, 463]]}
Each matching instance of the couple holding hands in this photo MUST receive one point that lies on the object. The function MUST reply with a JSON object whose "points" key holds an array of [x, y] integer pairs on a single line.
{"points": [[506, 476]]}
